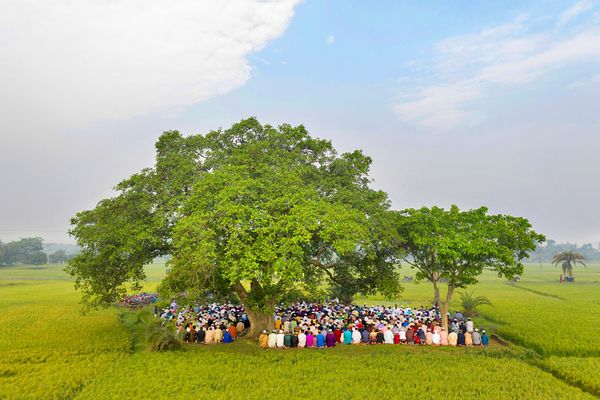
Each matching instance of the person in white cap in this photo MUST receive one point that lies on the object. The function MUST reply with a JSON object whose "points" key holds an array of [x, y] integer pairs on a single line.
{"points": [[356, 336], [210, 336], [301, 339], [476, 337], [436, 339], [402, 335], [484, 338], [263, 340], [388, 336], [469, 325], [280, 340], [272, 339], [452, 338]]}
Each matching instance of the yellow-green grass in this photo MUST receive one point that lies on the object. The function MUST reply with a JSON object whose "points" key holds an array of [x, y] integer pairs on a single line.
{"points": [[544, 315], [538, 312], [582, 372], [241, 370], [48, 350]]}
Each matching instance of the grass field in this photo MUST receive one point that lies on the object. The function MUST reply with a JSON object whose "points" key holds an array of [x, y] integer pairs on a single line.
{"points": [[48, 350]]}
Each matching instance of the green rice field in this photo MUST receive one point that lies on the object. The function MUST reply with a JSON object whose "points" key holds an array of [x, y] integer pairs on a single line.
{"points": [[49, 350]]}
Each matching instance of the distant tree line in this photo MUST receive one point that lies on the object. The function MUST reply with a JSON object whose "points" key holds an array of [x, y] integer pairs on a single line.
{"points": [[30, 251], [545, 253]]}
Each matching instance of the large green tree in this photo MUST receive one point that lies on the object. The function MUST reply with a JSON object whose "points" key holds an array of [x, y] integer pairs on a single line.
{"points": [[451, 248], [256, 211], [24, 251]]}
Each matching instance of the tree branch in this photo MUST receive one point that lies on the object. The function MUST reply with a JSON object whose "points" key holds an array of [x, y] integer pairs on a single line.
{"points": [[327, 270], [240, 290]]}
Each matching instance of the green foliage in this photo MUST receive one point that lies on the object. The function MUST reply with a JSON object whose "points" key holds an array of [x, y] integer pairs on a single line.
{"points": [[455, 247], [23, 251], [259, 210], [59, 256], [36, 258], [470, 303], [545, 252], [568, 259], [163, 338]]}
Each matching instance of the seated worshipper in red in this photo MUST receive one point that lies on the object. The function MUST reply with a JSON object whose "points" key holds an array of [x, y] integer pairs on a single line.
{"points": [[416, 338], [338, 334], [232, 331]]}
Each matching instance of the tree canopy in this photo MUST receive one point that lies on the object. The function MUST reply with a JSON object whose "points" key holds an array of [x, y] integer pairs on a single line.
{"points": [[452, 248], [254, 210], [23, 251]]}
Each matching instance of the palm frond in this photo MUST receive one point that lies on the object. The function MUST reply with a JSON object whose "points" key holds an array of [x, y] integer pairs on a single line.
{"points": [[470, 303]]}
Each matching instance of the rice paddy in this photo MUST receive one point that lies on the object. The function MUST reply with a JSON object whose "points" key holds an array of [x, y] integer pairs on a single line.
{"points": [[48, 350]]}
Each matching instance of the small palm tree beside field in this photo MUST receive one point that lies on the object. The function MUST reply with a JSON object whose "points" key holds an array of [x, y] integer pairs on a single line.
{"points": [[471, 302], [568, 259]]}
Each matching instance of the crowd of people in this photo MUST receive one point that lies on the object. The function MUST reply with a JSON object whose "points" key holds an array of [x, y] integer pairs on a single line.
{"points": [[211, 323], [138, 300], [305, 325], [310, 325]]}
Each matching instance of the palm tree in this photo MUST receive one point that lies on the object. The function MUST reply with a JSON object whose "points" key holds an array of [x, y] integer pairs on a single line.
{"points": [[568, 260], [470, 303]]}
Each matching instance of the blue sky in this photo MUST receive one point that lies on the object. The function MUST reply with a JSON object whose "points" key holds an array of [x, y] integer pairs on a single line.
{"points": [[475, 103]]}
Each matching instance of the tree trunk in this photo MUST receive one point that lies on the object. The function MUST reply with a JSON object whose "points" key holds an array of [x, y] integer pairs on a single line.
{"points": [[259, 321], [444, 312], [347, 299], [436, 294], [445, 306]]}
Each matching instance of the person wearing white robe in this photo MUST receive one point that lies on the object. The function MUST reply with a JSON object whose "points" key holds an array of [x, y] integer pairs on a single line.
{"points": [[356, 336], [301, 339]]}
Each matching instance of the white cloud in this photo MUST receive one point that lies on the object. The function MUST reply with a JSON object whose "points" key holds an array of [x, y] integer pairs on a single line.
{"points": [[330, 39], [72, 63], [584, 47], [574, 11], [469, 67], [439, 107], [578, 84]]}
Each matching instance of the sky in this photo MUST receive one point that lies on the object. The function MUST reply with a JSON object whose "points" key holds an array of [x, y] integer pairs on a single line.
{"points": [[489, 103]]}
